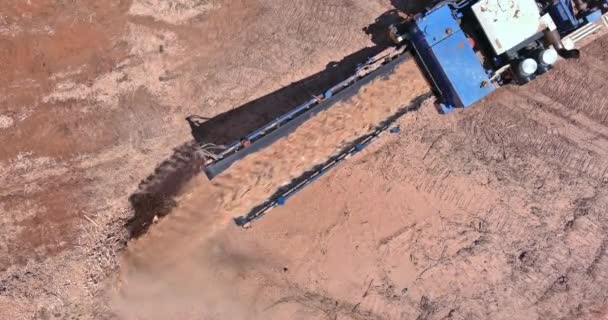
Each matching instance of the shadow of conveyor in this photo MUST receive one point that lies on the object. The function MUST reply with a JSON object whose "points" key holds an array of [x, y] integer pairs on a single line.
{"points": [[156, 195], [237, 123]]}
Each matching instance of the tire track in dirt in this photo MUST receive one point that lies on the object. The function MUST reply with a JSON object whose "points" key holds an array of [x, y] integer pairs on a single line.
{"points": [[434, 175], [436, 180], [579, 85], [581, 129], [563, 153], [522, 122], [598, 49]]}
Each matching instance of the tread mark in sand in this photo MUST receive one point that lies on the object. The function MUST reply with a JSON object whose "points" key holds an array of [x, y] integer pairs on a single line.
{"points": [[550, 148]]}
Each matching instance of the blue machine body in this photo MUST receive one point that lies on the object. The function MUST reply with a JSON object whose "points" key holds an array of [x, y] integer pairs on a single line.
{"points": [[449, 59]]}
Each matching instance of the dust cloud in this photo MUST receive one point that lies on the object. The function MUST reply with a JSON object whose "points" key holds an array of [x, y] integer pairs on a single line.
{"points": [[167, 274], [181, 270]]}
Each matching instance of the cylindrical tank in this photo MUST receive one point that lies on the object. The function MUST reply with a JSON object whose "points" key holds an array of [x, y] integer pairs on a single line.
{"points": [[527, 67], [547, 57]]}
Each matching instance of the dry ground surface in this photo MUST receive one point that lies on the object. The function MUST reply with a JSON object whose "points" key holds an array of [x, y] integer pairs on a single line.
{"points": [[494, 212]]}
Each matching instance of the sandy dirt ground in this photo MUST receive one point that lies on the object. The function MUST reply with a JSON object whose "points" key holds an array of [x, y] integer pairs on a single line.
{"points": [[494, 212]]}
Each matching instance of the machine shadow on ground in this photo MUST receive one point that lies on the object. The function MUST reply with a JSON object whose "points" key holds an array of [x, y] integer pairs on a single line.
{"points": [[155, 196], [411, 7]]}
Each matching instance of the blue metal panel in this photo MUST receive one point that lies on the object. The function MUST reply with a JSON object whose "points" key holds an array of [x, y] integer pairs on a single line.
{"points": [[562, 14], [593, 16], [451, 63], [468, 80], [437, 24]]}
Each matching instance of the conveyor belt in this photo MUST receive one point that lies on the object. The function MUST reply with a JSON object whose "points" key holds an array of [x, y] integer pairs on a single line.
{"points": [[379, 65]]}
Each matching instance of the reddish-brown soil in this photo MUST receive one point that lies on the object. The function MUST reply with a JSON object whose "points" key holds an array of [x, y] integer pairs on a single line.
{"points": [[494, 212]]}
